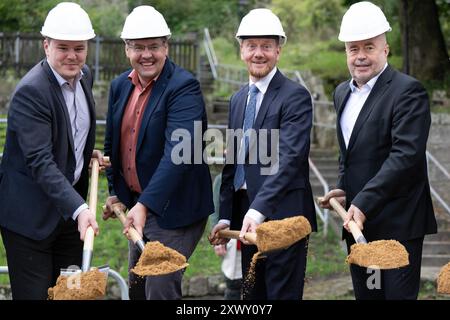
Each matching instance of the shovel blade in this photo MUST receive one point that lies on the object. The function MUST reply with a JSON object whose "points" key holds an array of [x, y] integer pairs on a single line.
{"points": [[75, 269]]}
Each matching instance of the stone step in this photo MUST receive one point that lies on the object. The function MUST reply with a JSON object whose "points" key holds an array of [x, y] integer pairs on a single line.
{"points": [[436, 247], [440, 236], [435, 260], [429, 273]]}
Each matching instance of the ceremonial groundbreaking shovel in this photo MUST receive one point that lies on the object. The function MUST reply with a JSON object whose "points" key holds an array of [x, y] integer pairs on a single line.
{"points": [[380, 254], [274, 234], [155, 259], [87, 283]]}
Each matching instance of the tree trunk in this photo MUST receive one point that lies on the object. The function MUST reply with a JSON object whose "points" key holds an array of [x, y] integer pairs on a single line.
{"points": [[424, 51]]}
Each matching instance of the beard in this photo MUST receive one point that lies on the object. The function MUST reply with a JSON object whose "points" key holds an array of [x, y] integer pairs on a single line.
{"points": [[259, 72]]}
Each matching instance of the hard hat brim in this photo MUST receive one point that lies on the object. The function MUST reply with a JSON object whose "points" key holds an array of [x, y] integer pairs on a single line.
{"points": [[360, 37], [68, 37]]}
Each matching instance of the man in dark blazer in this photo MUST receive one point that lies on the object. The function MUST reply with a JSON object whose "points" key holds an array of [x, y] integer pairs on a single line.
{"points": [[150, 108], [258, 191], [44, 171], [383, 120]]}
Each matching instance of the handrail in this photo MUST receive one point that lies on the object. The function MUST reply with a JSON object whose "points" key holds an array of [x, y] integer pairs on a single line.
{"points": [[435, 194], [112, 273], [210, 53], [324, 216]]}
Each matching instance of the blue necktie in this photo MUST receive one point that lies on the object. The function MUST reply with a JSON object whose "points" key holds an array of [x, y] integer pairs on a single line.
{"points": [[249, 118]]}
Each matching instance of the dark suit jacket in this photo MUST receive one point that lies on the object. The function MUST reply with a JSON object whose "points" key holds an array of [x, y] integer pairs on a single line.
{"points": [[286, 106], [178, 195], [38, 163], [384, 170]]}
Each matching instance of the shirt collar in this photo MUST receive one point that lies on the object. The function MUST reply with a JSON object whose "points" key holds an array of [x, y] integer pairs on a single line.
{"points": [[263, 83], [134, 78], [369, 83], [61, 80]]}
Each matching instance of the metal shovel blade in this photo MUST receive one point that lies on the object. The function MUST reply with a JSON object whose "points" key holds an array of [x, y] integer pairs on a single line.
{"points": [[75, 269]]}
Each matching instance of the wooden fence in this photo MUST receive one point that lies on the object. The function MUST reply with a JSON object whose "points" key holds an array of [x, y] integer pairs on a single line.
{"points": [[106, 56]]}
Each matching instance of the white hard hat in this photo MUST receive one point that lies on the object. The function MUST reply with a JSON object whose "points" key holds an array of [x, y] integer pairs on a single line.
{"points": [[68, 21], [363, 20], [145, 22], [261, 22]]}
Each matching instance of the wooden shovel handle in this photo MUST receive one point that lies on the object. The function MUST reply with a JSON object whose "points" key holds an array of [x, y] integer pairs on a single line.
{"points": [[89, 236], [134, 235], [234, 234], [354, 229]]}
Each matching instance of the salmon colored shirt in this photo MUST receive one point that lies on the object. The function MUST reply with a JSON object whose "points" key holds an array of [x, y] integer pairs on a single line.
{"points": [[131, 123]]}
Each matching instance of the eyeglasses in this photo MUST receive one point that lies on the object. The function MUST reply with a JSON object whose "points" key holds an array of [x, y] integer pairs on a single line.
{"points": [[140, 48]]}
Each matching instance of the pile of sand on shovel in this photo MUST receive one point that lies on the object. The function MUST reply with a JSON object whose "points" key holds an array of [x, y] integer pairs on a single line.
{"points": [[275, 235], [88, 285], [381, 254], [157, 259], [443, 280]]}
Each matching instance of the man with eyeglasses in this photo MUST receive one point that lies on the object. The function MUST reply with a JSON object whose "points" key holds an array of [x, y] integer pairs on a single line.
{"points": [[167, 201], [383, 120], [279, 111]]}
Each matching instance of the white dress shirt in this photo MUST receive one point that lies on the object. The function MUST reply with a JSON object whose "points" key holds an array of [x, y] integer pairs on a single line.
{"points": [[77, 107], [355, 102]]}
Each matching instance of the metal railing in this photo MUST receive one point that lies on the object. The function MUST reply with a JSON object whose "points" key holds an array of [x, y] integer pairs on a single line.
{"points": [[324, 215], [435, 194], [111, 273]]}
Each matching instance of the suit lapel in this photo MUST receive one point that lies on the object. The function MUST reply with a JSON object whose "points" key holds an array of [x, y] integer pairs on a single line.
{"points": [[90, 99], [270, 94], [377, 91], [119, 109], [62, 102], [239, 108], [342, 100]]}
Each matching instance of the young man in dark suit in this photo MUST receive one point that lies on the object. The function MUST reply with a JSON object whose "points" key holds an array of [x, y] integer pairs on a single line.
{"points": [[169, 200], [382, 126], [44, 172], [276, 113]]}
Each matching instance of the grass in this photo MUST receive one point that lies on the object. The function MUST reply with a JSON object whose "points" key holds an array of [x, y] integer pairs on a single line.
{"points": [[325, 255]]}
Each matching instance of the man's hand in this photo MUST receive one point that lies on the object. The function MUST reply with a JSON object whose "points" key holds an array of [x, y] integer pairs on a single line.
{"points": [[357, 215], [220, 250], [214, 238], [248, 225], [85, 219], [136, 217], [97, 154], [108, 211], [339, 194]]}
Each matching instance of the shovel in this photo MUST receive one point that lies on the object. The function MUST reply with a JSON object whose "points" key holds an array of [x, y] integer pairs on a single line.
{"points": [[275, 234], [381, 254], [443, 280], [87, 284], [155, 259], [118, 209]]}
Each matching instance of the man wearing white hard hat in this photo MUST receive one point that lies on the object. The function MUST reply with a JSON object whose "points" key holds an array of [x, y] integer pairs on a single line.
{"points": [[254, 192], [382, 126], [44, 171], [168, 202]]}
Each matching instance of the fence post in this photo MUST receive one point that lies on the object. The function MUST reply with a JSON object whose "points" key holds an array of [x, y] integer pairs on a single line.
{"points": [[97, 59], [17, 54]]}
